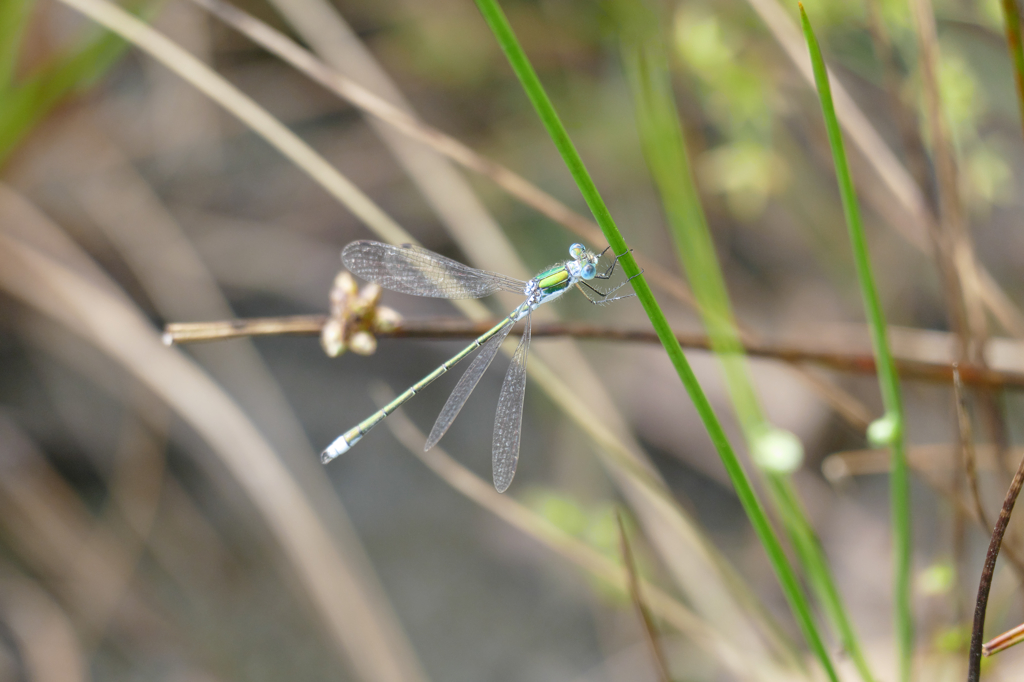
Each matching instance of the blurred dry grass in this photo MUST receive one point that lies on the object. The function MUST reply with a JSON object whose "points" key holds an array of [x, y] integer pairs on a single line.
{"points": [[163, 512]]}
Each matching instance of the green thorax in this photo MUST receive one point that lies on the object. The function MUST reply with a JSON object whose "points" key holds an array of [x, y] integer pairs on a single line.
{"points": [[554, 280]]}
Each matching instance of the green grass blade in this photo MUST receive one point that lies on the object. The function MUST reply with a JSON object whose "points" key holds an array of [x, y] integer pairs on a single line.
{"points": [[665, 149], [812, 556], [22, 107], [531, 84], [889, 429], [13, 17]]}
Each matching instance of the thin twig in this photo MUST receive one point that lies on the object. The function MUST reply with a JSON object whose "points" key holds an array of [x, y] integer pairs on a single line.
{"points": [[451, 328], [952, 244], [967, 447], [906, 120], [985, 584], [1004, 641], [660, 666], [970, 467], [941, 242], [946, 234], [197, 332], [956, 485]]}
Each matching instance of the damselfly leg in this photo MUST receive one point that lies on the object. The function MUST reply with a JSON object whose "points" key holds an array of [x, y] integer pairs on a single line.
{"points": [[607, 274]]}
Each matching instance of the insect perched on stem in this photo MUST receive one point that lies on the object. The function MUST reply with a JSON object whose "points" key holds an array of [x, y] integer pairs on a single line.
{"points": [[413, 270]]}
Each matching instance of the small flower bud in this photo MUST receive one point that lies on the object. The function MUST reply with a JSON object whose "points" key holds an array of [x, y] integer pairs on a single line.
{"points": [[343, 290], [332, 338], [363, 343], [386, 319], [777, 450], [884, 431], [367, 300]]}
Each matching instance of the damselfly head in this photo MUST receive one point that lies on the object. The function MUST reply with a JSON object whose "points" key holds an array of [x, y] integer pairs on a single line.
{"points": [[586, 261]]}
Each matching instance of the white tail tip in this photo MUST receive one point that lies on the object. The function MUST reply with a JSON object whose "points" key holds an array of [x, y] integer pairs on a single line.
{"points": [[339, 447]]}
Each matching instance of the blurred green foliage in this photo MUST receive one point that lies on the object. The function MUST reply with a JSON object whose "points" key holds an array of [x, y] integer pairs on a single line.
{"points": [[596, 525], [26, 100], [735, 89]]}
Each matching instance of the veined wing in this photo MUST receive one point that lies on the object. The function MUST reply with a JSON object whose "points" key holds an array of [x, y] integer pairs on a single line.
{"points": [[414, 270], [466, 385], [508, 420]]}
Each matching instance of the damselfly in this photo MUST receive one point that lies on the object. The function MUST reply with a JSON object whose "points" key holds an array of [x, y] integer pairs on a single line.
{"points": [[413, 270]]}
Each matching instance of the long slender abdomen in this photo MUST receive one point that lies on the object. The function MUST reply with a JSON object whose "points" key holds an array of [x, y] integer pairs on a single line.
{"points": [[345, 441]]}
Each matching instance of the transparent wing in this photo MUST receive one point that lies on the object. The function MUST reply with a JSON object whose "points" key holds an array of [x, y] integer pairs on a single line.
{"points": [[413, 270], [466, 385], [508, 420]]}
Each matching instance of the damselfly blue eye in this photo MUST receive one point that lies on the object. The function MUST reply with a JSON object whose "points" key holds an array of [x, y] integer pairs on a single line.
{"points": [[588, 272], [577, 250]]}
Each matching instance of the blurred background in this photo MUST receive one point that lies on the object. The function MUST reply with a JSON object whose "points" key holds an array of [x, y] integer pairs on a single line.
{"points": [[163, 511]]}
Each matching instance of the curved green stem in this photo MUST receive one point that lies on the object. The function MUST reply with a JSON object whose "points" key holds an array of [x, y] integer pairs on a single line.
{"points": [[891, 427], [665, 148], [531, 84]]}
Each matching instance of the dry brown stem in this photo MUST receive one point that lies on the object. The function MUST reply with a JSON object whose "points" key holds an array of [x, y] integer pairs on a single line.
{"points": [[443, 328]]}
